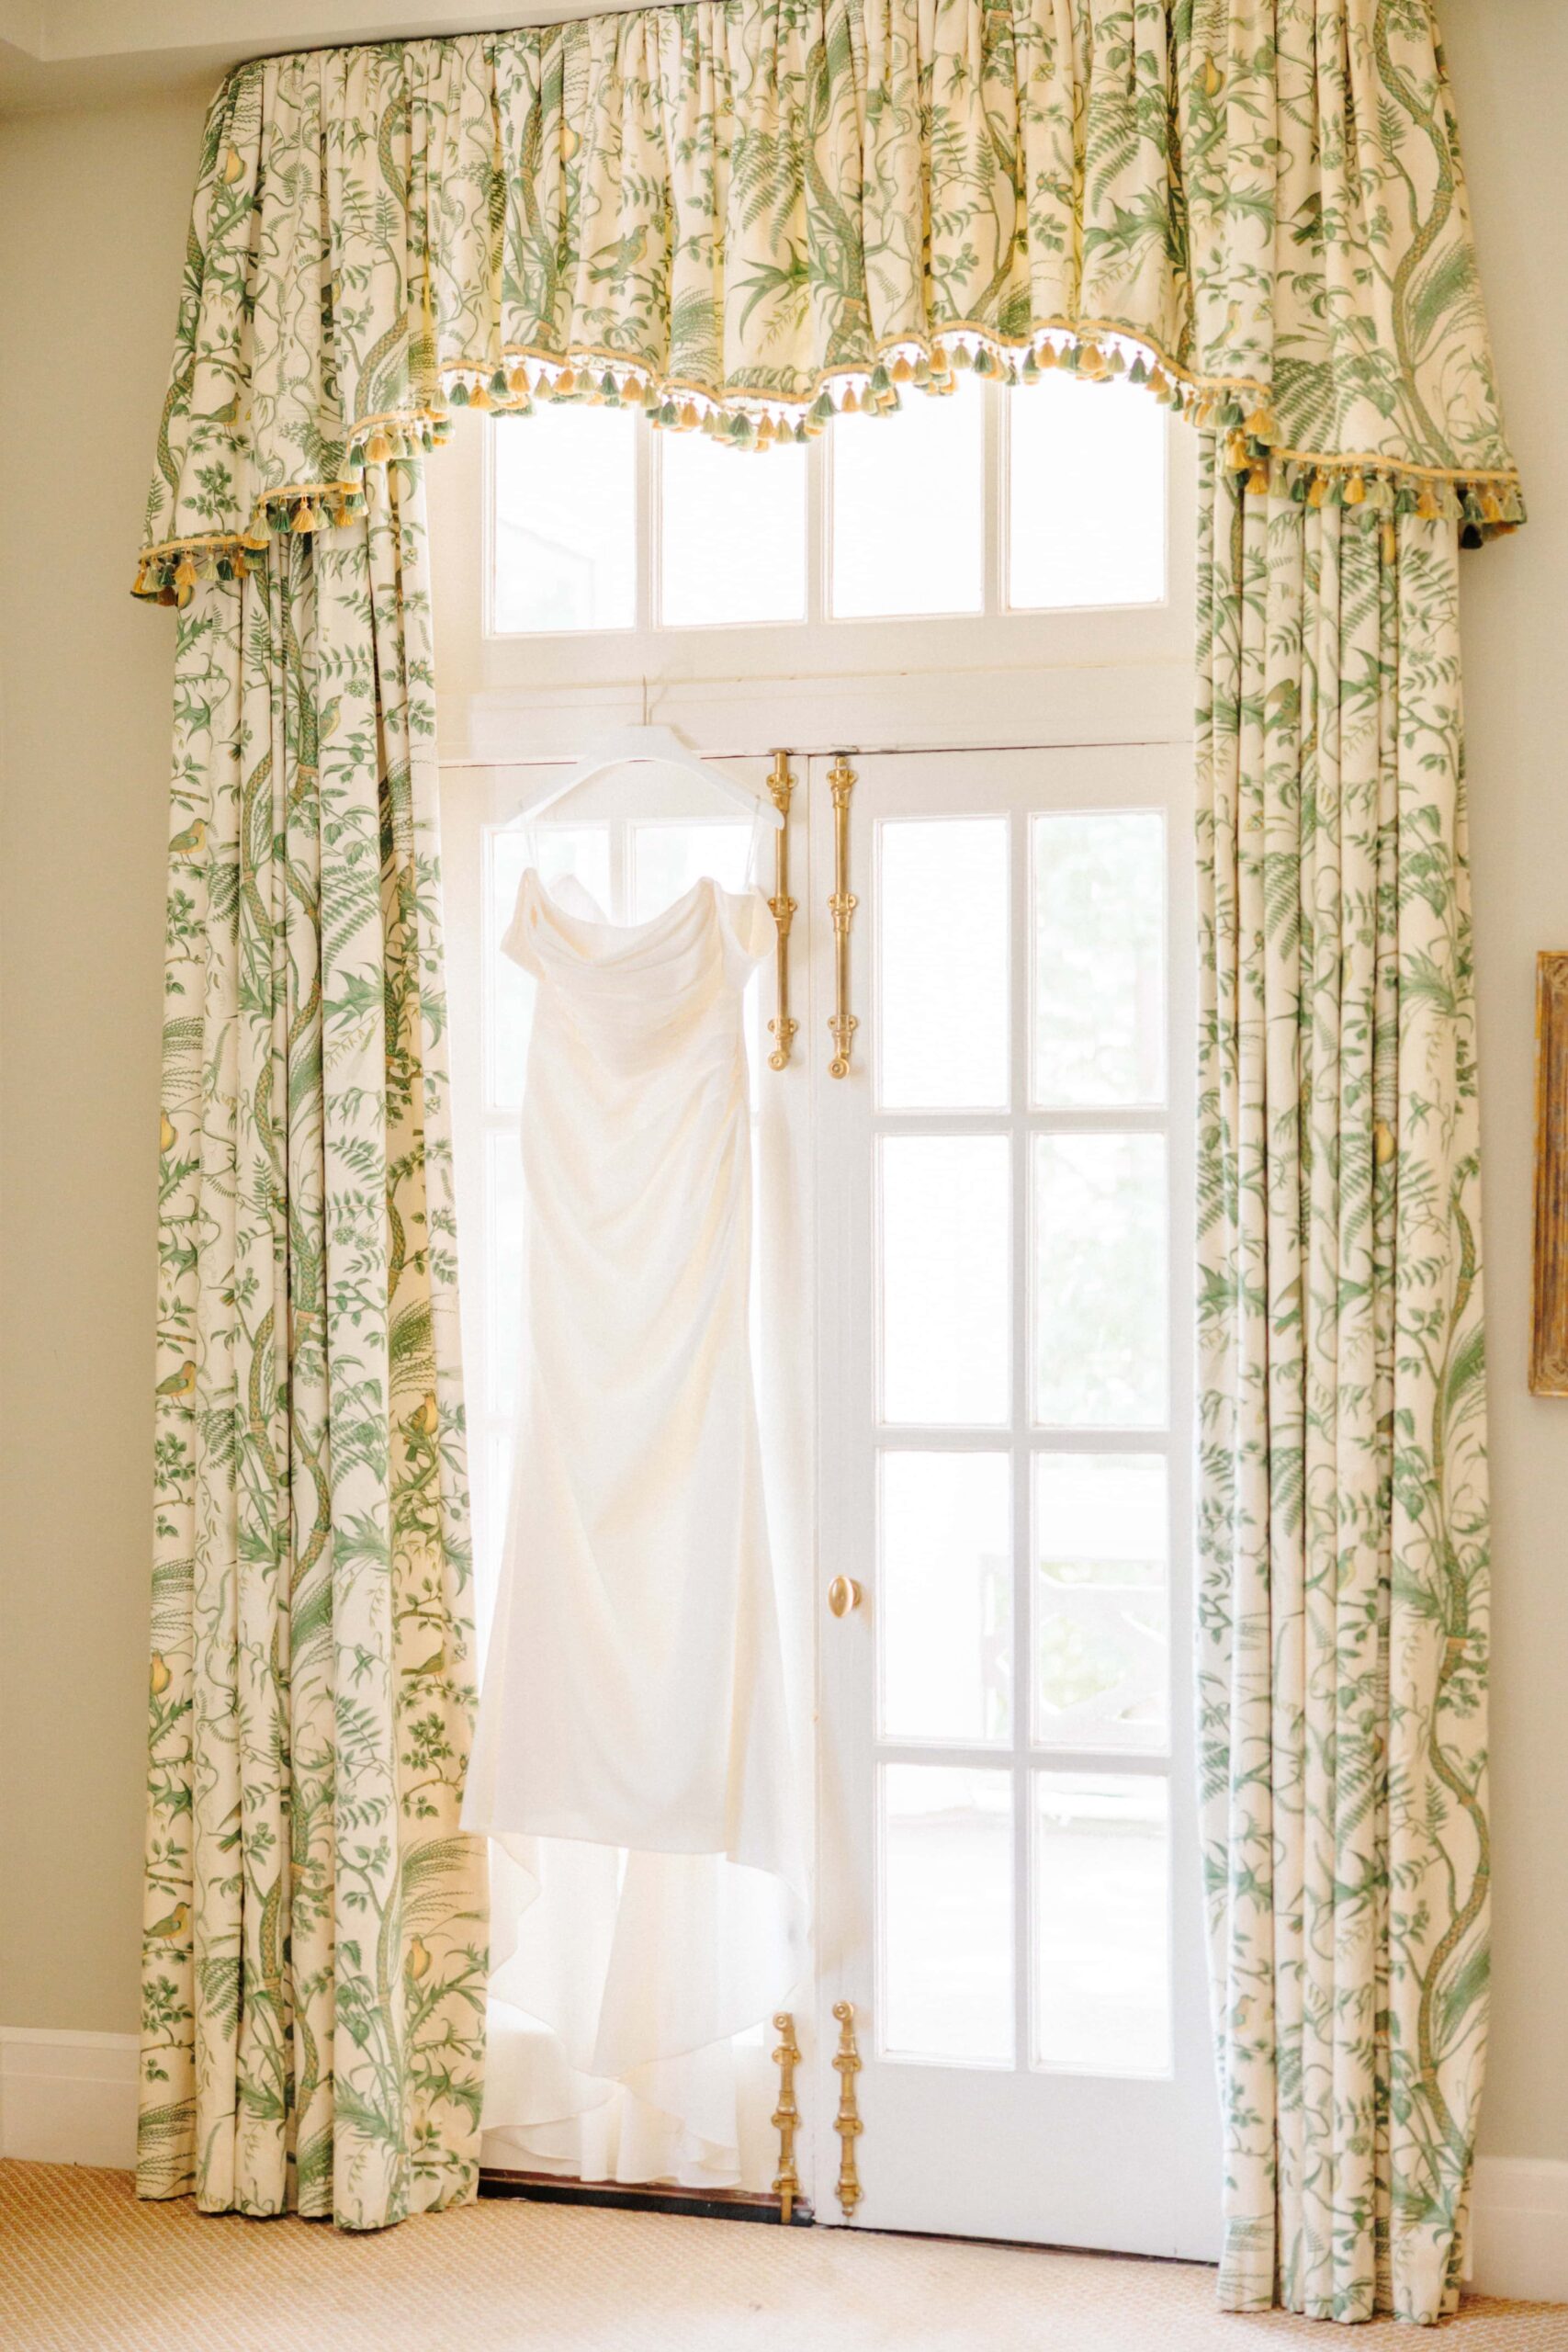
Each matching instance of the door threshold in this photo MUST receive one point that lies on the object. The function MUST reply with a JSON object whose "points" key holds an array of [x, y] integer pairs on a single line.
{"points": [[645, 2197]]}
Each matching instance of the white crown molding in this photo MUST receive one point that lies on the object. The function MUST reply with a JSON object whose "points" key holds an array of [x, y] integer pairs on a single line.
{"points": [[70, 2098]]}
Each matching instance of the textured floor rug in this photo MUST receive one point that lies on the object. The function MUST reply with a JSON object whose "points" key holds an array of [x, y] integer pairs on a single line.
{"points": [[85, 2268]]}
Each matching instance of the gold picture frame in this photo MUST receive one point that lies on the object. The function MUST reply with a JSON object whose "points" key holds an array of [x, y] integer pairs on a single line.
{"points": [[1549, 1320]]}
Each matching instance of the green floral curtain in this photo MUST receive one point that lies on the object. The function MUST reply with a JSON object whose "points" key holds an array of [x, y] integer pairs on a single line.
{"points": [[1343, 1516], [315, 1946], [746, 218]]}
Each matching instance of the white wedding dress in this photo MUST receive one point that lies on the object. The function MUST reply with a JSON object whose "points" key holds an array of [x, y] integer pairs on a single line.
{"points": [[632, 1755]]}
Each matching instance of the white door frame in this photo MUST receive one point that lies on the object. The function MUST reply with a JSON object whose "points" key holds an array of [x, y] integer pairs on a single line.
{"points": [[1037, 2159]]}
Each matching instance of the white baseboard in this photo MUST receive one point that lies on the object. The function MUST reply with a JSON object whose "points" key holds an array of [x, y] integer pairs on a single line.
{"points": [[1519, 2229], [70, 2098]]}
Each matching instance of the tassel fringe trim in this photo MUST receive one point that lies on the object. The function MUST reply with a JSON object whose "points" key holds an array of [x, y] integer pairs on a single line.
{"points": [[1485, 506]]}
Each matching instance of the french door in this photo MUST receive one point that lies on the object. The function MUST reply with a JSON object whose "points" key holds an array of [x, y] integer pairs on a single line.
{"points": [[1009, 1904]]}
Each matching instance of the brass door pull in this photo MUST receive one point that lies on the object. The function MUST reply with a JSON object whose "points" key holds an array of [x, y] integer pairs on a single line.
{"points": [[844, 1594]]}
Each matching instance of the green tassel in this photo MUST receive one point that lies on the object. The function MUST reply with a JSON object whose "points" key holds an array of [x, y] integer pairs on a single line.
{"points": [[984, 363], [880, 381], [821, 408], [459, 394], [500, 389], [1137, 373]]}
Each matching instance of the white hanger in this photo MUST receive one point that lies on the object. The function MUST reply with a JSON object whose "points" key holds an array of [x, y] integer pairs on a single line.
{"points": [[647, 745]]}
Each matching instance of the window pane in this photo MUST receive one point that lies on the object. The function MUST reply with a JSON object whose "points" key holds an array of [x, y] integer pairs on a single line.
{"points": [[947, 1878], [565, 518], [945, 1310], [945, 1597], [732, 533], [941, 964], [1100, 1281], [1099, 885], [1101, 1667], [668, 858], [503, 1224], [908, 516], [558, 850], [1086, 477], [1102, 1922]]}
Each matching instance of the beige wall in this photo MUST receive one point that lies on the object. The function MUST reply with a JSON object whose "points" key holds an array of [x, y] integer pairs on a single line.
{"points": [[92, 224], [92, 231], [1510, 62]]}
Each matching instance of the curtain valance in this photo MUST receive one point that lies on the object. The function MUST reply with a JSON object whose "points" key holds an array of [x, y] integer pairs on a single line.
{"points": [[748, 215]]}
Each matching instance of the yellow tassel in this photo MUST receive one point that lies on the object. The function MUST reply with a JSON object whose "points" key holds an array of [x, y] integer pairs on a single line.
{"points": [[690, 420], [1491, 506], [241, 564], [303, 519], [184, 570], [1355, 491], [478, 396], [517, 382], [850, 404], [1315, 494], [1257, 479], [1092, 363], [1159, 384], [1236, 458], [1048, 356], [377, 449], [903, 371], [140, 587], [1259, 424], [564, 382], [1427, 506], [635, 391], [764, 430]]}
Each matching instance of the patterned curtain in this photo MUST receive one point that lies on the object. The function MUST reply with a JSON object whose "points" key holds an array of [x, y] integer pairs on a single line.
{"points": [[315, 1946], [745, 220], [1343, 1497]]}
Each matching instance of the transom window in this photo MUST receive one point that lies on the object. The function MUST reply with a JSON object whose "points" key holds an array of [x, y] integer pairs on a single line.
{"points": [[987, 501]]}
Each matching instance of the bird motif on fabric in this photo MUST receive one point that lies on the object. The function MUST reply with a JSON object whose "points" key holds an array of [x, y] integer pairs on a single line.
{"points": [[327, 719], [170, 1930], [617, 262], [165, 1132], [419, 1958], [161, 1674], [425, 1418], [180, 1385], [187, 844]]}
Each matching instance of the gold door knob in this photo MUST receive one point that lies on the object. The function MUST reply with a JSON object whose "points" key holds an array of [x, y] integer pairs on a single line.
{"points": [[843, 1594]]}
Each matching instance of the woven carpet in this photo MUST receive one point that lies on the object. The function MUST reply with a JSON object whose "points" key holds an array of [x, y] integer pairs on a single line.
{"points": [[85, 2268]]}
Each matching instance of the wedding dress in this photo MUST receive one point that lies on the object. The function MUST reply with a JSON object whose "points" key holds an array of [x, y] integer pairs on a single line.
{"points": [[632, 1755]]}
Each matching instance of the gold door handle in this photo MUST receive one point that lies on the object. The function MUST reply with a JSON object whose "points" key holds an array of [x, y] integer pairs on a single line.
{"points": [[844, 1594]]}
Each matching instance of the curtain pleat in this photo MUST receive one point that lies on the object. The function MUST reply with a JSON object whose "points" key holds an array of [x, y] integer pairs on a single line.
{"points": [[1343, 1492], [316, 1941]]}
